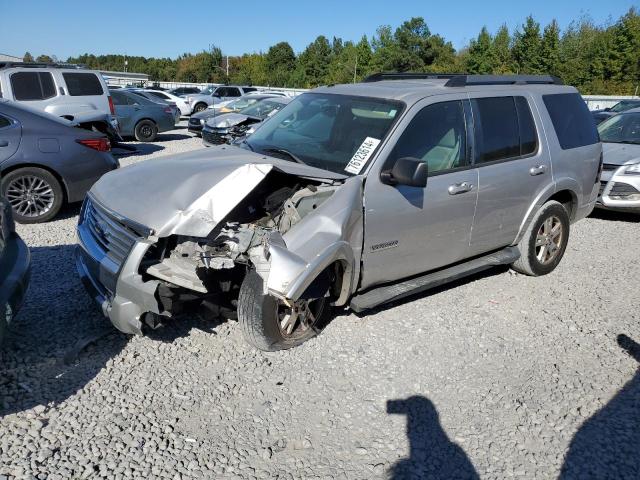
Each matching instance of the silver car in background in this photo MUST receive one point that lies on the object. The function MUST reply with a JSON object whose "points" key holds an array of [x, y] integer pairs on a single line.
{"points": [[620, 180], [351, 195], [201, 101]]}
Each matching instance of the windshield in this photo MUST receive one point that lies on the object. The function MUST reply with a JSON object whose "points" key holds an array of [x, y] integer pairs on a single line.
{"points": [[208, 90], [623, 128], [263, 109], [338, 133], [624, 105], [240, 103]]}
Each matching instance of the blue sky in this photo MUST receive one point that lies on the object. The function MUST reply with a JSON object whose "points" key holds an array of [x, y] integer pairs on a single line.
{"points": [[167, 29]]}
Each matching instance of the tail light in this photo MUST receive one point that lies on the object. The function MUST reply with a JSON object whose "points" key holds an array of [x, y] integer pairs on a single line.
{"points": [[168, 110], [100, 144], [112, 109]]}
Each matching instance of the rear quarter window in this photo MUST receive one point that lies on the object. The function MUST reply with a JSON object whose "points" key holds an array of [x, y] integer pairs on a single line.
{"points": [[571, 120], [82, 84]]}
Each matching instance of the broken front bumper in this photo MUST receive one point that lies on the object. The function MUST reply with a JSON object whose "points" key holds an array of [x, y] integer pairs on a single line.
{"points": [[111, 277]]}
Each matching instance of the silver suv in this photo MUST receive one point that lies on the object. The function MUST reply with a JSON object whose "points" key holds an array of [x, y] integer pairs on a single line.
{"points": [[352, 195], [201, 101]]}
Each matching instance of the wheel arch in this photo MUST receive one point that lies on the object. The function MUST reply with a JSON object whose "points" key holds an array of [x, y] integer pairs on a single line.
{"points": [[564, 193], [17, 166]]}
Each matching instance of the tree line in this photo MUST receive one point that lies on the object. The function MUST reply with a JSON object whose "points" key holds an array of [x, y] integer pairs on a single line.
{"points": [[597, 59]]}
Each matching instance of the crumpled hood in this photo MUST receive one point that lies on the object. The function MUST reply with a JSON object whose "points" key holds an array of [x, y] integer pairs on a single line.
{"points": [[620, 153], [225, 120], [188, 194]]}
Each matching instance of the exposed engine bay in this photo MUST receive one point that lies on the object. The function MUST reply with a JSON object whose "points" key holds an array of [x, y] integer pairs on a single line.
{"points": [[212, 268]]}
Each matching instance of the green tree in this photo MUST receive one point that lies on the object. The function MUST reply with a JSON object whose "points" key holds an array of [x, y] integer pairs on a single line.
{"points": [[550, 49], [501, 52], [280, 62], [527, 48], [480, 58], [28, 58], [315, 60], [44, 59]]}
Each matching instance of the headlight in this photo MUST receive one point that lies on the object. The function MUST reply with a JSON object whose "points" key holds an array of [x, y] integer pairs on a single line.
{"points": [[633, 169]]}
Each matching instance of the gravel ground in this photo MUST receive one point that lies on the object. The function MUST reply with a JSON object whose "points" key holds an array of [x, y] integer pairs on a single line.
{"points": [[497, 376]]}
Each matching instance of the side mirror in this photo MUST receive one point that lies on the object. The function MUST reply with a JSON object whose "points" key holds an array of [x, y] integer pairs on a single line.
{"points": [[608, 109], [407, 171]]}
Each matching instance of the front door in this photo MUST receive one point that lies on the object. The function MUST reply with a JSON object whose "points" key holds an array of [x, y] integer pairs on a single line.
{"points": [[410, 230]]}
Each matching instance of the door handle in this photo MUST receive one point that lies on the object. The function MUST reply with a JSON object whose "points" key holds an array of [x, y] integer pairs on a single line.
{"points": [[458, 188], [537, 170], [4, 143]]}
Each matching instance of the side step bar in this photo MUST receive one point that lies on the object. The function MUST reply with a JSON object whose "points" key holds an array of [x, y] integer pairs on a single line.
{"points": [[387, 293]]}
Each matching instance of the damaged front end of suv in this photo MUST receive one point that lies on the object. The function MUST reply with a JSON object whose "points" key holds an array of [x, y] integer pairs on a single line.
{"points": [[274, 230]]}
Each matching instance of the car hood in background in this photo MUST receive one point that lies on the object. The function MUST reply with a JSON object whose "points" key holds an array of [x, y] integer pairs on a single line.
{"points": [[620, 153], [188, 194], [204, 114], [226, 120]]}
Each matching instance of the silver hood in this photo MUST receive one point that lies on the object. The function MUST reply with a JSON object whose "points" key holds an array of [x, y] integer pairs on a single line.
{"points": [[188, 194], [225, 120], [620, 153]]}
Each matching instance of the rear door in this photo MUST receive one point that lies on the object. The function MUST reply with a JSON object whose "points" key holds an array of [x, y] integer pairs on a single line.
{"points": [[513, 167], [10, 134], [125, 111]]}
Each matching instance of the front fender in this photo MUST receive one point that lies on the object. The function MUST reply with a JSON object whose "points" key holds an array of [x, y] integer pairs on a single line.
{"points": [[290, 275]]}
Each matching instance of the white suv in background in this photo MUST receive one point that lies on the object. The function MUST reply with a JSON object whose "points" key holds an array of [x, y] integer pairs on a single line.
{"points": [[62, 90]]}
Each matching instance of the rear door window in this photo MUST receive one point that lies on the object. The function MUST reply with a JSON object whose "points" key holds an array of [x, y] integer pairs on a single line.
{"points": [[571, 120], [526, 127], [82, 84], [32, 86], [497, 136], [4, 122]]}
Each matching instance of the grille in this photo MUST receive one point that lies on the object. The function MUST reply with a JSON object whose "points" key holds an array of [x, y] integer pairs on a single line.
{"points": [[114, 239], [609, 167], [213, 138], [622, 190]]}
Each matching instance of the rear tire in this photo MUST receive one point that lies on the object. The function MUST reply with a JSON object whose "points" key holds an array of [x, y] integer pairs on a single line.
{"points": [[200, 107], [261, 318], [545, 241], [35, 194], [146, 131]]}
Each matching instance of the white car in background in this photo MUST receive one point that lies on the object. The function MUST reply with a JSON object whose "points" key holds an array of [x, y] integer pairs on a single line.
{"points": [[181, 103]]}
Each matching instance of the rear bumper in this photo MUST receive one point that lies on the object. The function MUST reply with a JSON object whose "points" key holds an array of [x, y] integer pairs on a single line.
{"points": [[15, 272], [166, 122]]}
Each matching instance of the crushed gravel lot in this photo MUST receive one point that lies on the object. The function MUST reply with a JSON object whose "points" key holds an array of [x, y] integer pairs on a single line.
{"points": [[497, 376]]}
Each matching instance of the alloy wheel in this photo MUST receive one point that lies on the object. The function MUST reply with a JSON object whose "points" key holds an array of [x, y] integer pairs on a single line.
{"points": [[302, 315], [549, 240], [30, 196]]}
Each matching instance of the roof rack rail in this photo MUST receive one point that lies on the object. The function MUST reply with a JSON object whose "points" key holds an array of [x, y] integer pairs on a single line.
{"points": [[378, 77], [463, 79], [41, 65]]}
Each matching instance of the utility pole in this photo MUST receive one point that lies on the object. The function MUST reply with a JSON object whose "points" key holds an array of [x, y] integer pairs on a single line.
{"points": [[227, 67], [125, 63]]}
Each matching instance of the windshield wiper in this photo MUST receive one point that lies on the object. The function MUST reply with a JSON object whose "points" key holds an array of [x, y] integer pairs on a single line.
{"points": [[293, 156]]}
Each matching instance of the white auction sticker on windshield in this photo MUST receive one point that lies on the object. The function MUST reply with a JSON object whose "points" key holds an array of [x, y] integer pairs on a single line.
{"points": [[362, 155]]}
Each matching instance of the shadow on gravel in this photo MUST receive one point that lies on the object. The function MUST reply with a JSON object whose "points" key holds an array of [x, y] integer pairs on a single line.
{"points": [[168, 137], [58, 342], [613, 216], [431, 454], [140, 149], [608, 444]]}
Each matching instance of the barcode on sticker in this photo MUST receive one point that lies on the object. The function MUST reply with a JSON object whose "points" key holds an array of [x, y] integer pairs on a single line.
{"points": [[361, 156]]}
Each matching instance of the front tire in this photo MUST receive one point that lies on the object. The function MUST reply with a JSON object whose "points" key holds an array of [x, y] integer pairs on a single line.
{"points": [[35, 194], [146, 131], [545, 241], [269, 325]]}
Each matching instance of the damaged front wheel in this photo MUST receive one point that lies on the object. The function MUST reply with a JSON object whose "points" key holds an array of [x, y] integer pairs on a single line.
{"points": [[269, 324]]}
